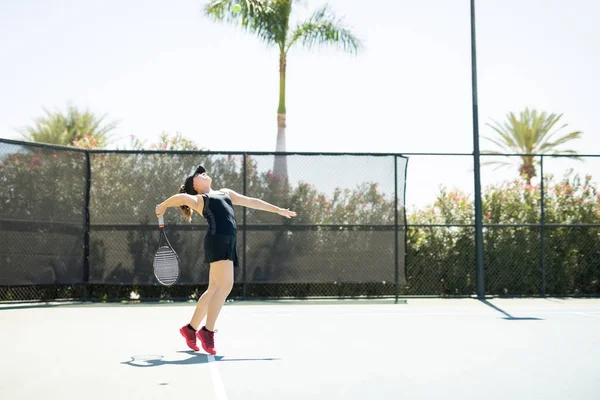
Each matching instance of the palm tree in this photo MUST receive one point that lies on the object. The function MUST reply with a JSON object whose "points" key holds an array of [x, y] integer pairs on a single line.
{"points": [[270, 21], [530, 133], [64, 129]]}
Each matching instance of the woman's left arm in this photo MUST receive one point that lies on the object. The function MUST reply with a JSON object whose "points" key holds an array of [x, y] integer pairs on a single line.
{"points": [[257, 204]]}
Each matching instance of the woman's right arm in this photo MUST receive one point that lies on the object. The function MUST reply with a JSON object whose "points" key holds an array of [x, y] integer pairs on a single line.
{"points": [[180, 199]]}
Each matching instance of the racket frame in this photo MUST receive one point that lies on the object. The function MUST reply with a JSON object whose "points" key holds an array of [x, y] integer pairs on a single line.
{"points": [[164, 241]]}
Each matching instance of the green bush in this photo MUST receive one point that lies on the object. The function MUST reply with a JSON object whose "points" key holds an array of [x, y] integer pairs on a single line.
{"points": [[441, 259], [43, 191]]}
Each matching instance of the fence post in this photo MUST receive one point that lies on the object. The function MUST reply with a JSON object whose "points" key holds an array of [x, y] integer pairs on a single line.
{"points": [[479, 266], [245, 212], [542, 230], [396, 285], [86, 237]]}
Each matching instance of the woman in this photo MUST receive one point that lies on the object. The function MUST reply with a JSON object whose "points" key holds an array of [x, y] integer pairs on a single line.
{"points": [[220, 252]]}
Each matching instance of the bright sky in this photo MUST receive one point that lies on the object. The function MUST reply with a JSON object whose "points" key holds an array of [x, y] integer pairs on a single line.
{"points": [[163, 66]]}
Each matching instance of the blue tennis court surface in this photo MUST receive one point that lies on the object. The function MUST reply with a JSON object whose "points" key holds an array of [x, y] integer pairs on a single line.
{"points": [[425, 349]]}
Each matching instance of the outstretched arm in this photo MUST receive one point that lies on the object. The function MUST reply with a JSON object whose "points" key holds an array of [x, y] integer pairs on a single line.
{"points": [[257, 204], [181, 199]]}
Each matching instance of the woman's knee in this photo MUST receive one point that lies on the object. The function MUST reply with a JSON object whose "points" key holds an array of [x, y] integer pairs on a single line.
{"points": [[212, 289], [221, 294], [224, 287], [227, 287]]}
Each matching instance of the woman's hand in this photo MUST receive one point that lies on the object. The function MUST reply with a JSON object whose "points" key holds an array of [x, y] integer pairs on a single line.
{"points": [[160, 210], [285, 212]]}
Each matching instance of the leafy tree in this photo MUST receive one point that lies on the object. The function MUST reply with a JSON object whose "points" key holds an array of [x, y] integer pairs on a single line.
{"points": [[531, 132], [269, 20], [69, 128], [441, 258], [43, 217]]}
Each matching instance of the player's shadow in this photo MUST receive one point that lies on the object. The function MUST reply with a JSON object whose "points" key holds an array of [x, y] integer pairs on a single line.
{"points": [[145, 361], [508, 316]]}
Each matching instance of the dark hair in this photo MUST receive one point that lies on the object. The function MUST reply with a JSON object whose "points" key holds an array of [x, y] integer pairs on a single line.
{"points": [[188, 187]]}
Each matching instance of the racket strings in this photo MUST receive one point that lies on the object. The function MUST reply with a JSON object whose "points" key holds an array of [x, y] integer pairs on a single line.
{"points": [[166, 266]]}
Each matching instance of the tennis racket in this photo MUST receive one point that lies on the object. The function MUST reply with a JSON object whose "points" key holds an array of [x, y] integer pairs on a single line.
{"points": [[166, 261]]}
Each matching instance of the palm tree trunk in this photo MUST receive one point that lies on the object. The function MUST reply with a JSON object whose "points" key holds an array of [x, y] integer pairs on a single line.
{"points": [[527, 169], [280, 166]]}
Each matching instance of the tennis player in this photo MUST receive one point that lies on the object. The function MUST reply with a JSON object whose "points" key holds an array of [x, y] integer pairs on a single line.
{"points": [[220, 252]]}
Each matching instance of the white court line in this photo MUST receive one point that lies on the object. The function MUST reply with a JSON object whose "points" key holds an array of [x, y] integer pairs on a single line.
{"points": [[216, 378], [587, 315]]}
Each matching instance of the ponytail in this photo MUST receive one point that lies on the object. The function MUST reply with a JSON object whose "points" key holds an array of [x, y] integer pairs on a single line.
{"points": [[188, 187], [185, 210]]}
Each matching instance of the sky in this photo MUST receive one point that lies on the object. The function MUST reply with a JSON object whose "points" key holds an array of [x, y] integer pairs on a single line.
{"points": [[157, 66]]}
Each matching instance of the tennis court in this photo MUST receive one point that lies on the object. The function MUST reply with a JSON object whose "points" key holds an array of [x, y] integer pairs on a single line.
{"points": [[422, 349]]}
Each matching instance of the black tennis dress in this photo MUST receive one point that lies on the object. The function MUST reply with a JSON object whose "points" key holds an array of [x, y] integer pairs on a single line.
{"points": [[220, 239]]}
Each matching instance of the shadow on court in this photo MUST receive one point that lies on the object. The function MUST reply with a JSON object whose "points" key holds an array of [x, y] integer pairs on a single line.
{"points": [[508, 316], [145, 361]]}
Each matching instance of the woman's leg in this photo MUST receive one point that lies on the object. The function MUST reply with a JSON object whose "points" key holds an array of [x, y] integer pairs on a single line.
{"points": [[222, 272], [203, 302]]}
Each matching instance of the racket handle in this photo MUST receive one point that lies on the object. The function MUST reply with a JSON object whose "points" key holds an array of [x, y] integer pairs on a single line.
{"points": [[161, 221]]}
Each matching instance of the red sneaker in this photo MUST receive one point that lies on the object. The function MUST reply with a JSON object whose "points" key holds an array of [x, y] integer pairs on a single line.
{"points": [[207, 339], [190, 337]]}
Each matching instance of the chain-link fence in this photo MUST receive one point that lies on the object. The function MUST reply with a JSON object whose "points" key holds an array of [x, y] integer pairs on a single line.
{"points": [[84, 221], [81, 224], [42, 215], [541, 229]]}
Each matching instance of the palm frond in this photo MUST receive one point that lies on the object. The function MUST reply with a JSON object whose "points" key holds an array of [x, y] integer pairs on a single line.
{"points": [[545, 125], [503, 146], [560, 141], [505, 133], [531, 132], [62, 128], [499, 164], [496, 160], [321, 28], [268, 20], [547, 137], [567, 151]]}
